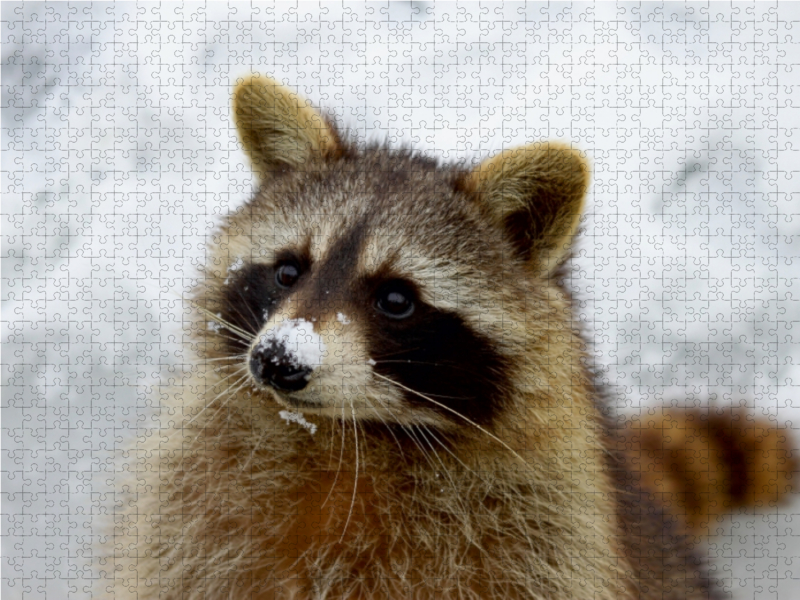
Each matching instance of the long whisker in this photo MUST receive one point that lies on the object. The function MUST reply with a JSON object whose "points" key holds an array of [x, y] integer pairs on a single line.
{"points": [[231, 357], [236, 340], [355, 479], [236, 372], [403, 351], [458, 497], [388, 428], [330, 453], [451, 453], [207, 404], [413, 436], [241, 383], [184, 426], [244, 342], [439, 365], [239, 330], [256, 319], [341, 456], [434, 453], [452, 397], [244, 336], [458, 414], [228, 325], [256, 447], [252, 325], [432, 449]]}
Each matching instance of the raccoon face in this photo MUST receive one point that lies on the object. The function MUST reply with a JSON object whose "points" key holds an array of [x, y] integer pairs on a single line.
{"points": [[378, 285]]}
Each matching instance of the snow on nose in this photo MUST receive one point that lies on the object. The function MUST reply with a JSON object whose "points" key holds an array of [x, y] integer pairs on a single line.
{"points": [[285, 356], [300, 340]]}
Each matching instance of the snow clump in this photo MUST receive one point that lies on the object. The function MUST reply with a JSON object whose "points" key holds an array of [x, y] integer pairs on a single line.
{"points": [[293, 417], [303, 346]]}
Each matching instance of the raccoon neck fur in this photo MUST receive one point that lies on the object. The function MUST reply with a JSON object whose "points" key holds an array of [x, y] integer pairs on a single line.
{"points": [[366, 510]]}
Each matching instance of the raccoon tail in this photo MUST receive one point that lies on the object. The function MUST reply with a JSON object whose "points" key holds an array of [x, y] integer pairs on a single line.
{"points": [[707, 462]]}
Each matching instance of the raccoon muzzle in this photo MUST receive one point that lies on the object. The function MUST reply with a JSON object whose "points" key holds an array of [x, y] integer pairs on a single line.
{"points": [[272, 364]]}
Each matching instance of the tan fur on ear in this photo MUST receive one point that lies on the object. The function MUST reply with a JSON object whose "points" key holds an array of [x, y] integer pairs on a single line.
{"points": [[277, 127], [536, 193]]}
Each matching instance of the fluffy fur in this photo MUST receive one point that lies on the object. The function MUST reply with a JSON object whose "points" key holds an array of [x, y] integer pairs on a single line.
{"points": [[707, 462], [456, 453]]}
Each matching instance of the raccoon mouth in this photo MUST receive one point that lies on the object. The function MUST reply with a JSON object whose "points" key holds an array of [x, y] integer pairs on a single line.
{"points": [[288, 399], [296, 403]]}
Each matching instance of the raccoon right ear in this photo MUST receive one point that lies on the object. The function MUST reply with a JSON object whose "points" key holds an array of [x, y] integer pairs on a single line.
{"points": [[278, 128], [536, 195]]}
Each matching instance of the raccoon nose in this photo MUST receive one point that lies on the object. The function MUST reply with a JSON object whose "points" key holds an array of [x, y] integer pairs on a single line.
{"points": [[271, 364]]}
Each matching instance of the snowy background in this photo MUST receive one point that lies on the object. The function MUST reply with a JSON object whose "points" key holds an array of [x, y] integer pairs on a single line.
{"points": [[119, 155]]}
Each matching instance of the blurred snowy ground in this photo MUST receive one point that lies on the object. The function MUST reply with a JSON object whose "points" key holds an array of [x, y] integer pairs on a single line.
{"points": [[119, 155]]}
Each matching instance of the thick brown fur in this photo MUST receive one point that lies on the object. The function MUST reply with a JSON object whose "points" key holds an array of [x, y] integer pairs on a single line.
{"points": [[395, 494]]}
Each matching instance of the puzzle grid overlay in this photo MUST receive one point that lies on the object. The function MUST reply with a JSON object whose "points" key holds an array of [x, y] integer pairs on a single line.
{"points": [[119, 155]]}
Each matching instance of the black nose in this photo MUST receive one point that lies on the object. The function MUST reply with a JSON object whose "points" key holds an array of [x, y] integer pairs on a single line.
{"points": [[271, 364]]}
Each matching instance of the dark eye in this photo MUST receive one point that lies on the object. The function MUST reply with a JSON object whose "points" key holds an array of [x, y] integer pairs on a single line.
{"points": [[395, 301], [287, 274]]}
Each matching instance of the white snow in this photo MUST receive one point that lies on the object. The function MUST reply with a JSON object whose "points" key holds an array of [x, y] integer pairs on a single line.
{"points": [[238, 264], [215, 325], [304, 346], [342, 318], [293, 417]]}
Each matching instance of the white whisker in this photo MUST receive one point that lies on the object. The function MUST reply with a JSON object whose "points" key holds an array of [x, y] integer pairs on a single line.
{"points": [[202, 410], [410, 431], [355, 479], [389, 429], [451, 453], [255, 448], [243, 381], [341, 456], [231, 357], [455, 412], [246, 335]]}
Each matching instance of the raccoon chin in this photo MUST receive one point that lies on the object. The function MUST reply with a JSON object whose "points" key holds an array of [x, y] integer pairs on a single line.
{"points": [[294, 403], [288, 399], [307, 401], [385, 412]]}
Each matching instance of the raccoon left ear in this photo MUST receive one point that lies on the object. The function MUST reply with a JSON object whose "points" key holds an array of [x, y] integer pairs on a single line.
{"points": [[278, 128], [536, 194]]}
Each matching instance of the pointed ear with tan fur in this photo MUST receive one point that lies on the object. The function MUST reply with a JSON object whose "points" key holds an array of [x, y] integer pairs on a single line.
{"points": [[536, 194], [277, 127]]}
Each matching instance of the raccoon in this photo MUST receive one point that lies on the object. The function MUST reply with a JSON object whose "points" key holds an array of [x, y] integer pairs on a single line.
{"points": [[391, 396]]}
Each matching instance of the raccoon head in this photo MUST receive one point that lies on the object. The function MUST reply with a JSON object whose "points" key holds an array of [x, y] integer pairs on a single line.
{"points": [[371, 283]]}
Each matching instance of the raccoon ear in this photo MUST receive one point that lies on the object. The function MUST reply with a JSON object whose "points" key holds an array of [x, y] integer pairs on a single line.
{"points": [[536, 194], [277, 127]]}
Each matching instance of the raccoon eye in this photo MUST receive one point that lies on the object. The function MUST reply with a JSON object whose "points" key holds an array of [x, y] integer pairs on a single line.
{"points": [[395, 301], [287, 274]]}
